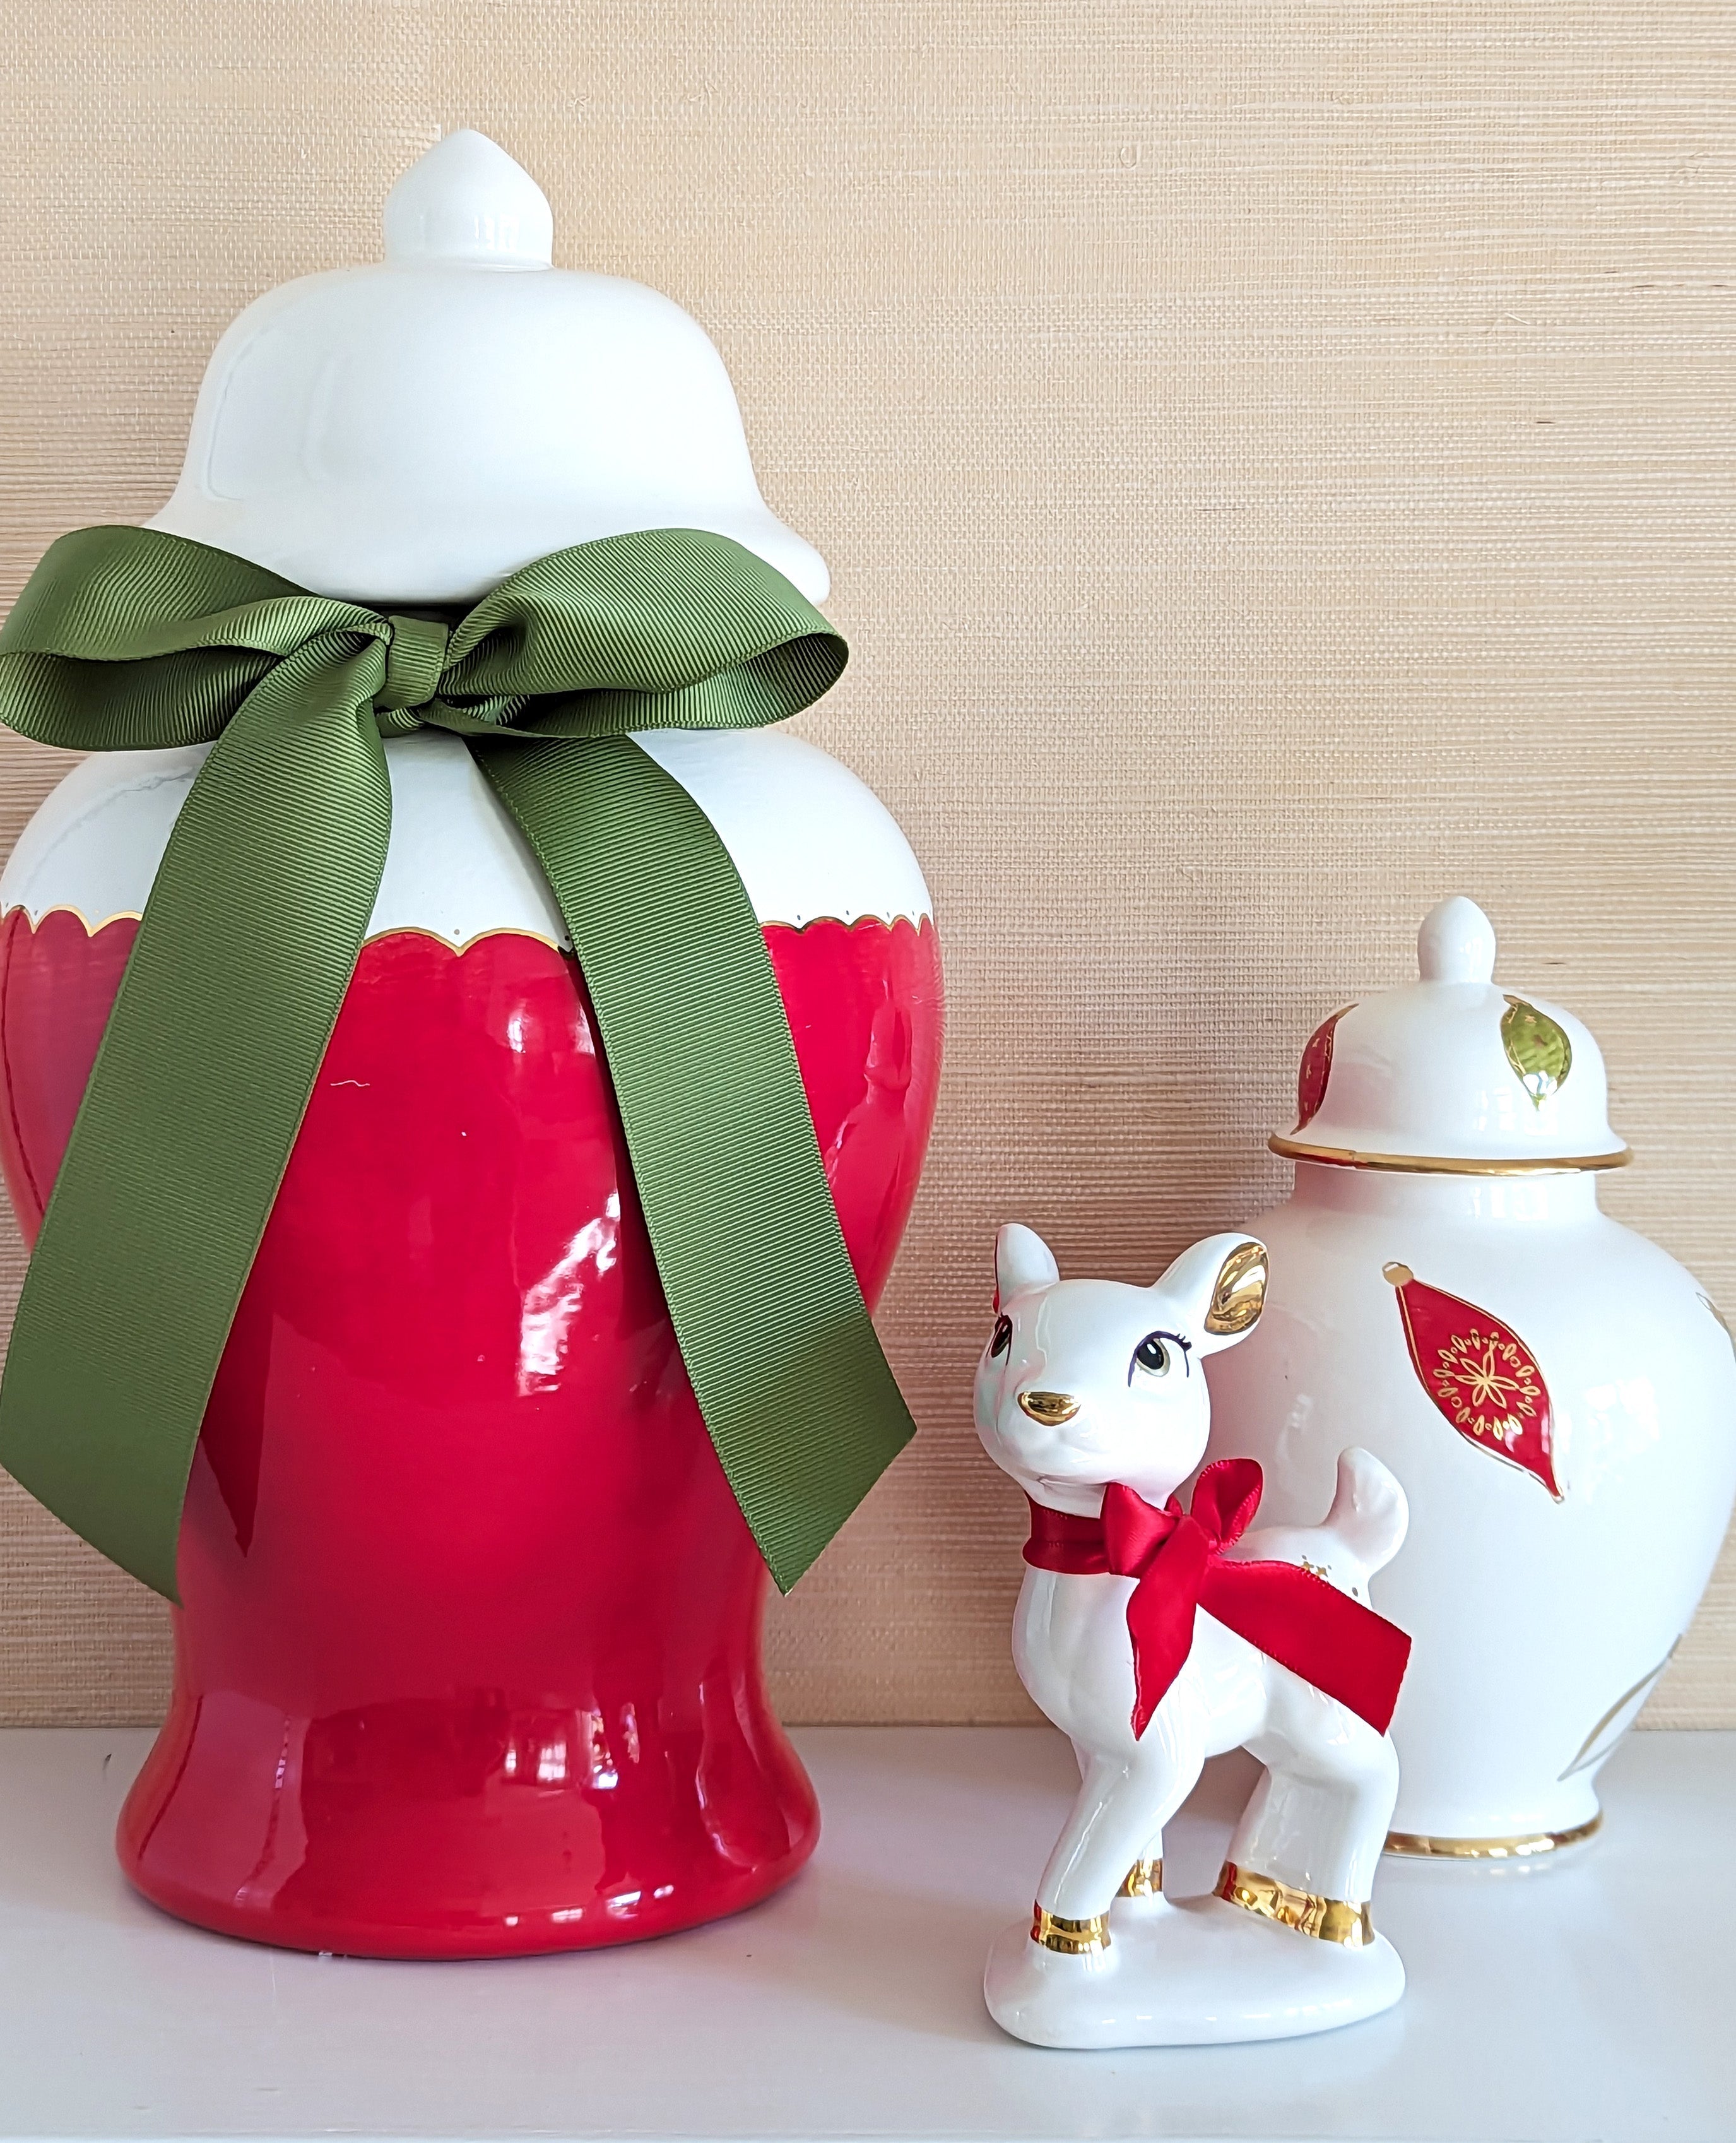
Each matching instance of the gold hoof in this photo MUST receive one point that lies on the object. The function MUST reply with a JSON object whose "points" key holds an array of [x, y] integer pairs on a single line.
{"points": [[1145, 1879], [1329, 1919], [1070, 1938]]}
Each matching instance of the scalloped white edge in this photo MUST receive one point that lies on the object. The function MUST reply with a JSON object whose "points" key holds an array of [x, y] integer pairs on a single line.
{"points": [[809, 839]]}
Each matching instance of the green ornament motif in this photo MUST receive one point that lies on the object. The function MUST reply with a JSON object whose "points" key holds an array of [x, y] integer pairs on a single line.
{"points": [[1537, 1048]]}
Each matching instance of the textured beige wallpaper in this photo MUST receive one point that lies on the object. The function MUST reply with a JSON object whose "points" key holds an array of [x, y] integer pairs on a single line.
{"points": [[1276, 462]]}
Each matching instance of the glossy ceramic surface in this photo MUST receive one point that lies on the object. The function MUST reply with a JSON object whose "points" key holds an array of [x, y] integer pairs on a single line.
{"points": [[468, 1662], [808, 839], [1452, 1072], [1088, 1383], [567, 406], [1200, 1973], [1540, 1622], [1558, 1395]]}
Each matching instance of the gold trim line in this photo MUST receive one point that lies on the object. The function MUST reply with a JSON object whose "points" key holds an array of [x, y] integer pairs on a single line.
{"points": [[1070, 1937], [1412, 1844], [65, 908], [1627, 1695], [1145, 1879], [1329, 1919], [391, 929], [917, 920], [1421, 1164]]}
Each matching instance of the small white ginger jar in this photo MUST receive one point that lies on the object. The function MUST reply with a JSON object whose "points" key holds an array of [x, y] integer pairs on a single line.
{"points": [[1558, 1396]]}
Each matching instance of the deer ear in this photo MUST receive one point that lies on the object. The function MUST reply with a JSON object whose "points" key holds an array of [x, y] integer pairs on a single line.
{"points": [[1220, 1287], [1022, 1259]]}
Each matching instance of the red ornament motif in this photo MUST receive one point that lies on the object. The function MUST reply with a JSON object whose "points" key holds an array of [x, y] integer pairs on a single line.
{"points": [[1316, 1069], [1482, 1376]]}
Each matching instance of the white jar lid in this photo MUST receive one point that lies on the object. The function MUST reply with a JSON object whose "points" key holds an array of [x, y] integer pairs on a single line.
{"points": [[1453, 1074], [415, 431]]}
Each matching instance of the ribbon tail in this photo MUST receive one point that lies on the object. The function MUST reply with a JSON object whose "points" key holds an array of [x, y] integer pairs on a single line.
{"points": [[1160, 1619], [1307, 1624], [789, 1377], [235, 982]]}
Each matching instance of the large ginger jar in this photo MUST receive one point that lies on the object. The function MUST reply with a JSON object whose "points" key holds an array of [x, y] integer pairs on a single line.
{"points": [[467, 1660]]}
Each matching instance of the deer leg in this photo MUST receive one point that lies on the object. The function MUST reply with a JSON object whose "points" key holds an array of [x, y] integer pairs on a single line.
{"points": [[1126, 1798], [1310, 1838]]}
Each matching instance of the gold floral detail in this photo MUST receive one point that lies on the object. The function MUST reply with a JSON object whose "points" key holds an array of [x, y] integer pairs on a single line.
{"points": [[1486, 1385]]}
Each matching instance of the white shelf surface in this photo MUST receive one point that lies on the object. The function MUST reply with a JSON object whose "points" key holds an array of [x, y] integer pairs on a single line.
{"points": [[1591, 1998]]}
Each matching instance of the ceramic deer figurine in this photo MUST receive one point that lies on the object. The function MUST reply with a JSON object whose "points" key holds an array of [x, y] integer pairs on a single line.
{"points": [[1154, 1638]]}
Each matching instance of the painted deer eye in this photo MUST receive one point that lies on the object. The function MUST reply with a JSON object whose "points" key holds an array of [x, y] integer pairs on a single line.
{"points": [[1156, 1354], [1002, 1338]]}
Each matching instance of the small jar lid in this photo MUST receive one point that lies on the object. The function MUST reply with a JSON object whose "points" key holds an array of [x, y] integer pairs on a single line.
{"points": [[1453, 1074]]}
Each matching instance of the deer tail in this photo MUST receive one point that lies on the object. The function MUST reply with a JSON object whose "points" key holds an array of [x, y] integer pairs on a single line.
{"points": [[1369, 1513]]}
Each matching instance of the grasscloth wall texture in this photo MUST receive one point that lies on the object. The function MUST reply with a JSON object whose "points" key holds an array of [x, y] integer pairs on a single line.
{"points": [[1275, 461]]}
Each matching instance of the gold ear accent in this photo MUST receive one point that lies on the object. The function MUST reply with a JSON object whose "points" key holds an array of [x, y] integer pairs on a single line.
{"points": [[1329, 1919], [1070, 1937], [1240, 1293]]}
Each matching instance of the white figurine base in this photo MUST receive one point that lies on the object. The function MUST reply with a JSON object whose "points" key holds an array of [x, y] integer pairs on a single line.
{"points": [[1198, 1973]]}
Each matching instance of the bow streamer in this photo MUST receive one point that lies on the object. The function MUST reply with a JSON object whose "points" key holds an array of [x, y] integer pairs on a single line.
{"points": [[130, 638], [1179, 1560]]}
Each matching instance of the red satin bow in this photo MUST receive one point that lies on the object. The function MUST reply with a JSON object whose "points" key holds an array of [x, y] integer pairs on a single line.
{"points": [[1178, 1559]]}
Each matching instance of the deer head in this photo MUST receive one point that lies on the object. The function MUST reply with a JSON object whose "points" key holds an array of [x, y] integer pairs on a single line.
{"points": [[1084, 1382]]}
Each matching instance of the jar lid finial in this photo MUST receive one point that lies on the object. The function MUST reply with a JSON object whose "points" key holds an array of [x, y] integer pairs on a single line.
{"points": [[467, 203], [1455, 943]]}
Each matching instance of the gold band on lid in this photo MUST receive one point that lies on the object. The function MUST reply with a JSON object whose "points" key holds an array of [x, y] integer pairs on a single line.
{"points": [[1423, 1164], [1145, 1879], [1417, 1845], [1330, 1919], [1070, 1938]]}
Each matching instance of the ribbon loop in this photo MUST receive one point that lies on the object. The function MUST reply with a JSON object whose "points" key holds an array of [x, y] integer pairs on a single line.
{"points": [[1178, 1562], [1225, 1497], [415, 657]]}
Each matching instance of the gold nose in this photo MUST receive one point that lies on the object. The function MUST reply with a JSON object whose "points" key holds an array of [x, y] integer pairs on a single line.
{"points": [[1049, 1405]]}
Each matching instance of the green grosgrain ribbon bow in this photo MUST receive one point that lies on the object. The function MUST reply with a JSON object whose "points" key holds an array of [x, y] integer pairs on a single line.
{"points": [[127, 638]]}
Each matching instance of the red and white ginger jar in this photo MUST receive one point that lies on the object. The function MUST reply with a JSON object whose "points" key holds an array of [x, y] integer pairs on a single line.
{"points": [[468, 1658], [1556, 1393]]}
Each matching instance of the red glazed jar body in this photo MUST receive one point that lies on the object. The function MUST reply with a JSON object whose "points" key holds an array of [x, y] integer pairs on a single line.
{"points": [[468, 1658]]}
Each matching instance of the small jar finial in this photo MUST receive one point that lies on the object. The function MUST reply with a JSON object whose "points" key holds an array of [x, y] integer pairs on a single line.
{"points": [[1455, 943], [467, 203]]}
